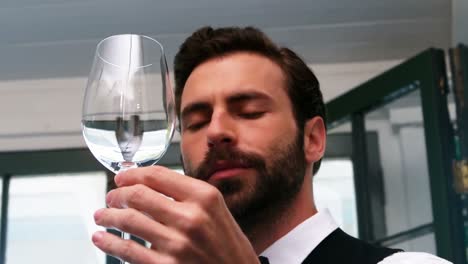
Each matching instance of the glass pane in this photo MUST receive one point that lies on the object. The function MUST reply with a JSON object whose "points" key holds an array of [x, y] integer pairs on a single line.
{"points": [[334, 189], [424, 243], [51, 218], [334, 182], [401, 154]]}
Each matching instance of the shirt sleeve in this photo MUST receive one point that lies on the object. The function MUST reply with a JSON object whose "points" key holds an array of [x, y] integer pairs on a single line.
{"points": [[413, 258]]}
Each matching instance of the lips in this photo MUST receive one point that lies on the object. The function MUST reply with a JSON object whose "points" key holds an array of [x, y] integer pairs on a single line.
{"points": [[225, 169]]}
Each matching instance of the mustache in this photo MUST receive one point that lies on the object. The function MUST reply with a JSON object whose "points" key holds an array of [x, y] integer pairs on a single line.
{"points": [[227, 154]]}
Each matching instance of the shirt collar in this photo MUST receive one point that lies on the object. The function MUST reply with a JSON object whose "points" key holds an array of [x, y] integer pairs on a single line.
{"points": [[296, 245]]}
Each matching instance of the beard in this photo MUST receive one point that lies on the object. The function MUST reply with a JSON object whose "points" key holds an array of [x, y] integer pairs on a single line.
{"points": [[252, 200]]}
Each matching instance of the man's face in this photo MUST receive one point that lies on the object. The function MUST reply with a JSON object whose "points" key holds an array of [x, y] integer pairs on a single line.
{"points": [[239, 132]]}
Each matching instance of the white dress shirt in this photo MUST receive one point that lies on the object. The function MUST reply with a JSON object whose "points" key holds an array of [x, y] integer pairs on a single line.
{"points": [[295, 246]]}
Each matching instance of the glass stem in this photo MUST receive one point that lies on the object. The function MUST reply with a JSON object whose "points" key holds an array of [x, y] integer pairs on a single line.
{"points": [[125, 236]]}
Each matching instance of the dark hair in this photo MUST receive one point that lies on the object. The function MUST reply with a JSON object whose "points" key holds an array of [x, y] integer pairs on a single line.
{"points": [[207, 43]]}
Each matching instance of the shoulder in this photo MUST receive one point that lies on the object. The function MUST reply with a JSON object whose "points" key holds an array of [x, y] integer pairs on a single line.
{"points": [[413, 258]]}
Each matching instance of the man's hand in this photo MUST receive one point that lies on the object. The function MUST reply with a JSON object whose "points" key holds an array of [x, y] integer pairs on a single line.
{"points": [[193, 227]]}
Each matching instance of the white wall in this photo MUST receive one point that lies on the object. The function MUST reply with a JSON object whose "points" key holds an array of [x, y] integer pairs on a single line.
{"points": [[459, 22], [337, 79], [41, 114]]}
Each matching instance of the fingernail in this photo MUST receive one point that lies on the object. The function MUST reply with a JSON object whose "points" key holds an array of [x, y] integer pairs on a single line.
{"points": [[97, 214], [97, 237], [118, 178], [109, 197]]}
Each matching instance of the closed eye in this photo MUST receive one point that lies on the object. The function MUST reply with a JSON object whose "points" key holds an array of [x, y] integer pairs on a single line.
{"points": [[252, 115], [196, 126]]}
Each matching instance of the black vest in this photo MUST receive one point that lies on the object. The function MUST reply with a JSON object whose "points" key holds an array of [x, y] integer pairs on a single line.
{"points": [[340, 247]]}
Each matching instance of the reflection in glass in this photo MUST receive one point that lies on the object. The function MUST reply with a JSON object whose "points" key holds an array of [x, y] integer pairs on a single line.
{"points": [[425, 243], [51, 221], [402, 151]]}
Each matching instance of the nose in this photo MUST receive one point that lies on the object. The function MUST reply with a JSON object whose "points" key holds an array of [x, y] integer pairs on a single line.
{"points": [[221, 130]]}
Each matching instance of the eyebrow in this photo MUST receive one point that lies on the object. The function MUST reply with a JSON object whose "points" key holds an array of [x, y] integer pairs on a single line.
{"points": [[247, 96]]}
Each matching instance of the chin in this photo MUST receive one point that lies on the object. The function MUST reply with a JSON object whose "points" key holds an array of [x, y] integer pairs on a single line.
{"points": [[237, 193]]}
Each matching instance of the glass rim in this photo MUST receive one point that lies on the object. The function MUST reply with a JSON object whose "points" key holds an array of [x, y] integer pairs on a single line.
{"points": [[122, 35]]}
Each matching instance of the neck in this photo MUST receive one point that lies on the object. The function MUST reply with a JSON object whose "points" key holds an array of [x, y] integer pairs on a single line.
{"points": [[278, 222]]}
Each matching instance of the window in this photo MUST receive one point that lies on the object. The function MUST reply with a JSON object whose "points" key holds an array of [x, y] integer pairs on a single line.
{"points": [[51, 218]]}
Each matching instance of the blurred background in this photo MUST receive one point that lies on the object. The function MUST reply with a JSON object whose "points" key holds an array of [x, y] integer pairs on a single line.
{"points": [[394, 107]]}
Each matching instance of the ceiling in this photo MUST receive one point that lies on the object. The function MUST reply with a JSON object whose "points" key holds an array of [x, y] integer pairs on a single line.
{"points": [[56, 38]]}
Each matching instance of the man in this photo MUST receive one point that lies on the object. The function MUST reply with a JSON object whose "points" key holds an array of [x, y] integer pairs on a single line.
{"points": [[252, 123]]}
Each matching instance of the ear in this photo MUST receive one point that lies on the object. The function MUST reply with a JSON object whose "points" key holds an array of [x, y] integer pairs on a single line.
{"points": [[314, 139]]}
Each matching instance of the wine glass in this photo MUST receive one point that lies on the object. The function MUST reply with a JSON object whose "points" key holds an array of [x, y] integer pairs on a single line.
{"points": [[128, 109]]}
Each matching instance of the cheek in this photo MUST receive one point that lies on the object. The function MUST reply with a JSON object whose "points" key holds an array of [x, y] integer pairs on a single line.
{"points": [[192, 152], [268, 134]]}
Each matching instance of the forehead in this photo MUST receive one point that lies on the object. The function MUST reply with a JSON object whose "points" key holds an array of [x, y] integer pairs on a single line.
{"points": [[234, 73]]}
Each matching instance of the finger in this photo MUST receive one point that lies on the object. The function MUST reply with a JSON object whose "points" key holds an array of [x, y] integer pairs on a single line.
{"points": [[127, 250], [144, 199], [171, 214], [133, 222], [164, 180]]}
